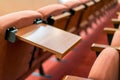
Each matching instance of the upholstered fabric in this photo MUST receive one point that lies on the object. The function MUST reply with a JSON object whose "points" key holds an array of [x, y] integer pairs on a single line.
{"points": [[106, 66], [15, 57], [116, 39], [51, 10], [72, 3], [18, 19]]}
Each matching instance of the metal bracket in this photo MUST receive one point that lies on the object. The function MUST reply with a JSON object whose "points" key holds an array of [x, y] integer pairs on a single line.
{"points": [[72, 11], [50, 20], [10, 34], [38, 21]]}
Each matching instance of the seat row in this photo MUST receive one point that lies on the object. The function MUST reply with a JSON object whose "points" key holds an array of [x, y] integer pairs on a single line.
{"points": [[106, 66], [18, 58]]}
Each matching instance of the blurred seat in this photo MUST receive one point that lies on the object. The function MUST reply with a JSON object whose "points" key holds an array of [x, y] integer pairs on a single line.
{"points": [[55, 14], [105, 67], [85, 17], [76, 9]]}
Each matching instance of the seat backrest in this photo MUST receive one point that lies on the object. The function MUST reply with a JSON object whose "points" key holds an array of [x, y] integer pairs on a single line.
{"points": [[71, 3], [15, 57], [52, 10], [106, 66], [116, 39], [76, 8], [18, 19], [55, 14], [89, 10]]}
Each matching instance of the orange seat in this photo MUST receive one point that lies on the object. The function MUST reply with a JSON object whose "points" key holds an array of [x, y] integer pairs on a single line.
{"points": [[52, 10], [15, 57], [56, 15], [75, 8], [105, 67]]}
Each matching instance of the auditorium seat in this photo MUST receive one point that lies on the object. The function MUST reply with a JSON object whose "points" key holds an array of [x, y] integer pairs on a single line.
{"points": [[55, 14], [108, 4], [74, 21], [52, 10], [97, 9], [85, 22], [105, 67], [64, 20], [15, 55], [76, 9]]}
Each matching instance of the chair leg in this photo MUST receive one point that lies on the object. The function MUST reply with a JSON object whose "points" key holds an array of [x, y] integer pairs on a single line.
{"points": [[41, 70]]}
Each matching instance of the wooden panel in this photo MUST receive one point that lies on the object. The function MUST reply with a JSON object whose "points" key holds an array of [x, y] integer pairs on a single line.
{"points": [[110, 30], [75, 19], [49, 38], [100, 47], [61, 20], [70, 77]]}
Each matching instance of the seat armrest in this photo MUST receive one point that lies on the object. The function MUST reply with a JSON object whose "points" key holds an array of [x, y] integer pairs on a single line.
{"points": [[70, 77], [98, 47], [110, 30], [116, 22]]}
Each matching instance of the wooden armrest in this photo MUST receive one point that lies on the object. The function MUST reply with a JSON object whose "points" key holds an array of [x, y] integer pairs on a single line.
{"points": [[81, 7], [100, 47], [90, 3], [59, 21], [66, 14], [70, 77], [110, 30], [97, 1], [116, 21]]}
